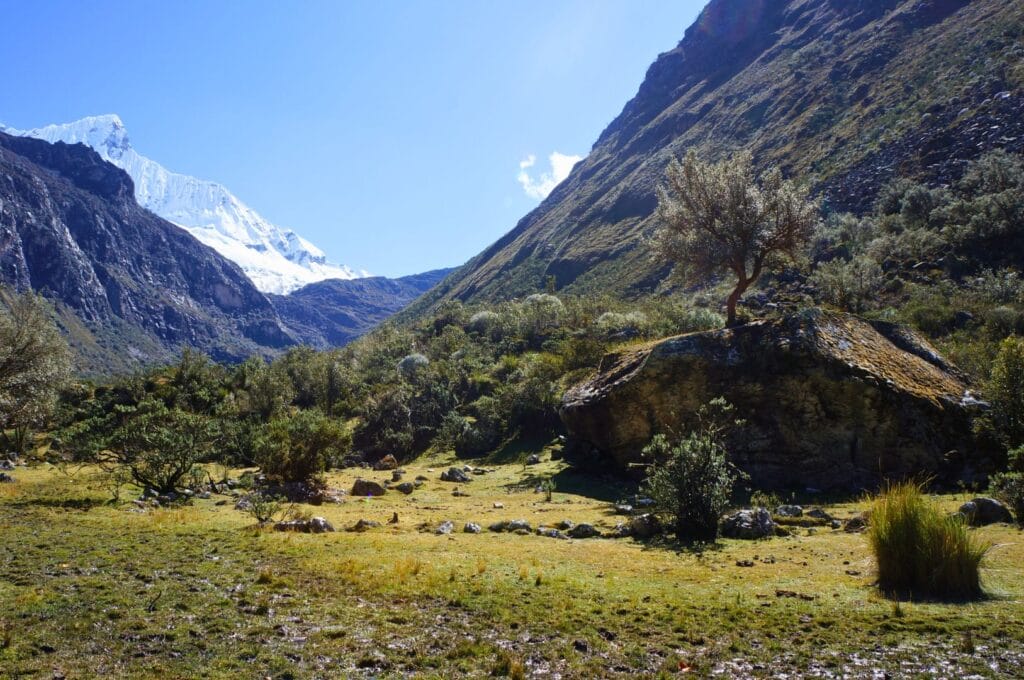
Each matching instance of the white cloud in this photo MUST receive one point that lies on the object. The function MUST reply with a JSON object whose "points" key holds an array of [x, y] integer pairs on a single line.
{"points": [[541, 186]]}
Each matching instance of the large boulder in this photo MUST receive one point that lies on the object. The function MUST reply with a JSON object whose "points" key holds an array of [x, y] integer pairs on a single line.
{"points": [[982, 511], [831, 401], [750, 524]]}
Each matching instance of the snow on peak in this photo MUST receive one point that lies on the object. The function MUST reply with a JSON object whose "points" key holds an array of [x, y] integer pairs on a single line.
{"points": [[277, 260]]}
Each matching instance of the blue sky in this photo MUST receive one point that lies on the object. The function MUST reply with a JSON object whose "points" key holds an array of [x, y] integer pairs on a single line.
{"points": [[391, 134]]}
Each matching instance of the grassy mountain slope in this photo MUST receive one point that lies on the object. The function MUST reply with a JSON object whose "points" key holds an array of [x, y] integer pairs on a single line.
{"points": [[845, 94]]}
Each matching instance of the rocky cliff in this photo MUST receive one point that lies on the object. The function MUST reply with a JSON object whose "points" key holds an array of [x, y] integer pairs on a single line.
{"points": [[845, 94], [830, 401], [130, 287]]}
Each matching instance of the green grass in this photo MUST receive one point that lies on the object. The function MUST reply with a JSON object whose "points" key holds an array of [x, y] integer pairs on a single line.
{"points": [[922, 551], [89, 589]]}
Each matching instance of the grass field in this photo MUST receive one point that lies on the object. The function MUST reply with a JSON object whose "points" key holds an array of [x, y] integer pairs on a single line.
{"points": [[89, 589]]}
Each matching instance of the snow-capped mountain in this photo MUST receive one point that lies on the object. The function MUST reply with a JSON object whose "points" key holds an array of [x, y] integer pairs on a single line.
{"points": [[277, 260]]}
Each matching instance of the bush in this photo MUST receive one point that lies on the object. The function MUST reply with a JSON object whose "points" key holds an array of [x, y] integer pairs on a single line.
{"points": [[300, 447], [1006, 391], [691, 482], [263, 507], [921, 551], [848, 285], [1009, 488]]}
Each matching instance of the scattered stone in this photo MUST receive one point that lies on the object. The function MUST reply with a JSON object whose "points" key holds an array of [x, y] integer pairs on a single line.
{"points": [[446, 527], [396, 475], [498, 506], [620, 530], [497, 527], [479, 471], [460, 494], [789, 511], [6, 465], [623, 509], [982, 510], [394, 519], [518, 525], [367, 487], [6, 478], [748, 524], [471, 528], [644, 526], [818, 513], [422, 478], [581, 646], [388, 462], [584, 531], [835, 524], [856, 524], [243, 504], [364, 525], [744, 563], [314, 525], [565, 525], [406, 487], [455, 475], [550, 533], [533, 459]]}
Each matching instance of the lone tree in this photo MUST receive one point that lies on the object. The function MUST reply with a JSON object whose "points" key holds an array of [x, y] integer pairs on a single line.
{"points": [[34, 364], [719, 217]]}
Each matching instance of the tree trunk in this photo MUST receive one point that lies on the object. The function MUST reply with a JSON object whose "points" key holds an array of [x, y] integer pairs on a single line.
{"points": [[734, 297]]}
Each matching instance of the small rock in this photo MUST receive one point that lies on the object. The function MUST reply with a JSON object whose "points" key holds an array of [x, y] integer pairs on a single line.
{"points": [[446, 527], [406, 488], [789, 511], [388, 462], [363, 525], [818, 513], [581, 646], [518, 525], [644, 526], [565, 525], [744, 563], [498, 506], [584, 531], [6, 465], [982, 510], [455, 475], [550, 533], [6, 478], [471, 528], [396, 475], [748, 524], [460, 494], [623, 509], [394, 519], [856, 524], [533, 459], [621, 530], [367, 487], [315, 525], [422, 478]]}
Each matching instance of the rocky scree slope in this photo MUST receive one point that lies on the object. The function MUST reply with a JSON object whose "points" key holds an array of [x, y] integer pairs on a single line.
{"points": [[830, 402], [846, 94], [129, 286]]}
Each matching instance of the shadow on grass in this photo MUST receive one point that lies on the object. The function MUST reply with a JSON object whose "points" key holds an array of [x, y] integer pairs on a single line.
{"points": [[579, 483], [83, 504]]}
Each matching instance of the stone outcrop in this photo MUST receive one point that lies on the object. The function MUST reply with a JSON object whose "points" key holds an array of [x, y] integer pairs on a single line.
{"points": [[830, 401]]}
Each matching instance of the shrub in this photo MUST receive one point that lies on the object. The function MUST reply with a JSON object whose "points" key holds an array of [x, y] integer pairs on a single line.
{"points": [[263, 507], [921, 551], [299, 447], [1009, 488], [1006, 391], [410, 365], [691, 482], [848, 285]]}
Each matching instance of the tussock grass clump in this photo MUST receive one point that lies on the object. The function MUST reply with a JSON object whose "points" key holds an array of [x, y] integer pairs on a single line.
{"points": [[921, 551]]}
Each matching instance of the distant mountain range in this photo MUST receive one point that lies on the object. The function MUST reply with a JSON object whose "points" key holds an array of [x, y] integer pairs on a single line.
{"points": [[276, 260], [843, 94]]}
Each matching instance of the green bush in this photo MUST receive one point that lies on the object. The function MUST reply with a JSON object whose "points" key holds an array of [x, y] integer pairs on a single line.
{"points": [[691, 480], [1006, 391], [301, 446], [921, 551], [848, 285]]}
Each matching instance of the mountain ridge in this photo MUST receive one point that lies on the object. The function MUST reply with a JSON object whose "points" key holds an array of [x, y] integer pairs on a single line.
{"points": [[276, 260], [843, 95]]}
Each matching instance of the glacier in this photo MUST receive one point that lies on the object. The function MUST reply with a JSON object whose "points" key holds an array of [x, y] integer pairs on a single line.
{"points": [[277, 260]]}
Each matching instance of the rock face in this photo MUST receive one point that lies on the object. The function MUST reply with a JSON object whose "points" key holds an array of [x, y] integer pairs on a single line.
{"points": [[830, 401], [70, 229]]}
